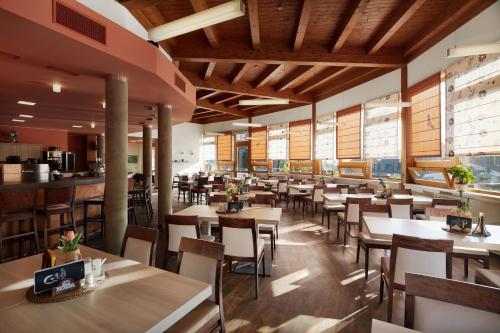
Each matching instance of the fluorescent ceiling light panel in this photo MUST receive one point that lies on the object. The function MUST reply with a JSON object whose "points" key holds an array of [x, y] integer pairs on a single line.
{"points": [[56, 87], [77, 126], [273, 101], [214, 133], [25, 116], [387, 104], [18, 120], [247, 125], [26, 103], [469, 50], [225, 12]]}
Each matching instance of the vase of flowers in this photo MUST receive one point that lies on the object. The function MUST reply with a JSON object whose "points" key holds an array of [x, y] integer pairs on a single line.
{"points": [[462, 176], [232, 192], [69, 246]]}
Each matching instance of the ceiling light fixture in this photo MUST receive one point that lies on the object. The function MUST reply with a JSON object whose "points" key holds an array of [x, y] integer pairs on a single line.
{"points": [[469, 50], [247, 125], [56, 87], [26, 103], [225, 12], [25, 116], [77, 126], [387, 104], [92, 125], [18, 120], [103, 103], [272, 101], [213, 133]]}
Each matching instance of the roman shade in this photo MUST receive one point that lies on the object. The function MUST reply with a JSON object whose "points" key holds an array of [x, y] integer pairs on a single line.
{"points": [[424, 118], [300, 140], [349, 133], [325, 137], [473, 106], [277, 137], [258, 143], [224, 147]]}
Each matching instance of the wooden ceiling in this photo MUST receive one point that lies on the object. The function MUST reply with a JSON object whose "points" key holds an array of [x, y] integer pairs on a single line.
{"points": [[303, 51]]}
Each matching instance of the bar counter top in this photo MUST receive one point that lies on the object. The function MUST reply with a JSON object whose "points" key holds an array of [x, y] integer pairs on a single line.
{"points": [[42, 184]]}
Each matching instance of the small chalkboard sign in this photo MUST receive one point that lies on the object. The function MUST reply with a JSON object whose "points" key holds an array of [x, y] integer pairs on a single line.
{"points": [[49, 278], [458, 223]]}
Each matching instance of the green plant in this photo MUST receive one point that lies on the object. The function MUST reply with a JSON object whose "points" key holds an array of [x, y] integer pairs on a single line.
{"points": [[461, 174], [69, 242]]}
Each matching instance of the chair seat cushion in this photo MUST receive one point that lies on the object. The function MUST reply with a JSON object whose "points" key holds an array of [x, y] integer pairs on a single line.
{"points": [[335, 208], [373, 241], [469, 250], [197, 318], [209, 238], [420, 216], [488, 277], [341, 215]]}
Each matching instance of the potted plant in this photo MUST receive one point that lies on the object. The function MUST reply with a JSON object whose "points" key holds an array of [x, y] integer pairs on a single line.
{"points": [[69, 246], [462, 176]]}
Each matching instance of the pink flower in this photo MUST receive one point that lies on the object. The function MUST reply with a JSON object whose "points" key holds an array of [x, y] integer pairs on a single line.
{"points": [[70, 235]]}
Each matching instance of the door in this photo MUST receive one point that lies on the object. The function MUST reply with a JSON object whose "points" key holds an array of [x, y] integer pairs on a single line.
{"points": [[242, 157]]}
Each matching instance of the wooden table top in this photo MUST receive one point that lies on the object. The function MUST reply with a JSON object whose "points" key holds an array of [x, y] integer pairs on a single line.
{"points": [[208, 213], [417, 199], [245, 196], [310, 187], [384, 228], [134, 298]]}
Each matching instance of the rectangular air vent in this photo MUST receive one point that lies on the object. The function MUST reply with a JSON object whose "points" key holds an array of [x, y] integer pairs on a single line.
{"points": [[77, 22], [179, 82]]}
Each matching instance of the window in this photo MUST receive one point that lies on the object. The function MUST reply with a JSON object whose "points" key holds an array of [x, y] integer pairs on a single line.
{"points": [[486, 171], [349, 133], [325, 137], [386, 168], [353, 169], [281, 166], [424, 118], [301, 167], [224, 147], [259, 143], [242, 158], [473, 104], [278, 142], [328, 167], [209, 152], [300, 140], [241, 136]]}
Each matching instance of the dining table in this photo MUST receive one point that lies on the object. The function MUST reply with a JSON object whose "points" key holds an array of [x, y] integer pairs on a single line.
{"points": [[384, 228], [133, 298], [310, 187], [419, 201], [244, 196]]}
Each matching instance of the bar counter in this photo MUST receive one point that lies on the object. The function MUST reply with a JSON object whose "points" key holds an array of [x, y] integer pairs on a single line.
{"points": [[42, 184]]}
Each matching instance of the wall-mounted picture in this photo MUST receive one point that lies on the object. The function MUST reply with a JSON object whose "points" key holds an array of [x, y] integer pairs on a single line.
{"points": [[133, 159]]}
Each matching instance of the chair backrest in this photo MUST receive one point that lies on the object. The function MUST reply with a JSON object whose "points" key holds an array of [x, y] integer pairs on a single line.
{"points": [[365, 190], [180, 226], [282, 186], [202, 181], [402, 191], [344, 188], [352, 208], [256, 188], [331, 190], [317, 193], [139, 244], [238, 236], [184, 178], [446, 203], [400, 208], [440, 305], [202, 260], [373, 211], [217, 198], [218, 180], [437, 214], [419, 255], [12, 201], [61, 195], [263, 200], [363, 185]]}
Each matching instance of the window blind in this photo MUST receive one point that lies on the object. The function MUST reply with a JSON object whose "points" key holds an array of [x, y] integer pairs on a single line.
{"points": [[300, 140], [209, 148], [258, 143], [325, 137], [424, 118], [277, 145], [349, 133], [473, 106], [224, 147], [381, 129]]}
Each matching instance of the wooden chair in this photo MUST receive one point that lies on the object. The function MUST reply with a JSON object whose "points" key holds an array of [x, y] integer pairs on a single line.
{"points": [[487, 277], [217, 187], [434, 304], [365, 190], [441, 203], [313, 200], [215, 199], [183, 187], [18, 207], [57, 201], [465, 253], [344, 188], [365, 241], [256, 188], [239, 237], [281, 190], [202, 261], [99, 202], [402, 191], [177, 227], [351, 215], [266, 201], [331, 206], [139, 244], [200, 190], [141, 193], [294, 195], [413, 254], [400, 208], [362, 185]]}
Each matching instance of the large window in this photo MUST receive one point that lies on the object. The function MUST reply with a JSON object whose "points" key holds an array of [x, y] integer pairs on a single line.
{"points": [[225, 147], [209, 152], [278, 142], [300, 140], [258, 143], [349, 133], [281, 166], [329, 167], [386, 168], [325, 137], [486, 171]]}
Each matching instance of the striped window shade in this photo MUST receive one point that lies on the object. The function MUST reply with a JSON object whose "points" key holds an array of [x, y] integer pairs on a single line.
{"points": [[258, 143], [300, 140], [381, 129], [325, 137], [277, 142], [349, 133], [473, 106], [225, 147], [424, 118]]}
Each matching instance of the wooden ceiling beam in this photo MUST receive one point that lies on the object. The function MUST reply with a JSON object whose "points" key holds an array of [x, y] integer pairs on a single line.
{"points": [[305, 14], [253, 16], [320, 79], [224, 98], [396, 20], [219, 119], [240, 54], [244, 88], [207, 94], [199, 6], [204, 104], [274, 108], [206, 115], [238, 72], [266, 75], [353, 14], [293, 78], [209, 69]]}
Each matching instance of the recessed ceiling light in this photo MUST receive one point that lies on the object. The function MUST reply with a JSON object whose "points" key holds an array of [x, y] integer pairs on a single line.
{"points": [[18, 120], [247, 125], [272, 101], [26, 116], [77, 126], [92, 125], [26, 103], [56, 87]]}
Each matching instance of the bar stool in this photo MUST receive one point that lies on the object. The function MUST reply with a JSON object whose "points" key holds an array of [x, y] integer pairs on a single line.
{"points": [[99, 201], [18, 206], [57, 201]]}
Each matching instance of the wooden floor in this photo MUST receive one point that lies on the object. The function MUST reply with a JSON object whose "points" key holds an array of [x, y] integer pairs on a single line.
{"points": [[316, 285]]}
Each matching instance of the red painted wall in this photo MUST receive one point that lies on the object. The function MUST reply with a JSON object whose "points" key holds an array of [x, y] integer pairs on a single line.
{"points": [[34, 135]]}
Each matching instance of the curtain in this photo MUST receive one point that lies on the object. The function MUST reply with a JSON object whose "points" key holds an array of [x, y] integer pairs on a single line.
{"points": [[300, 140], [277, 147], [224, 147], [349, 133], [258, 143], [325, 137]]}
